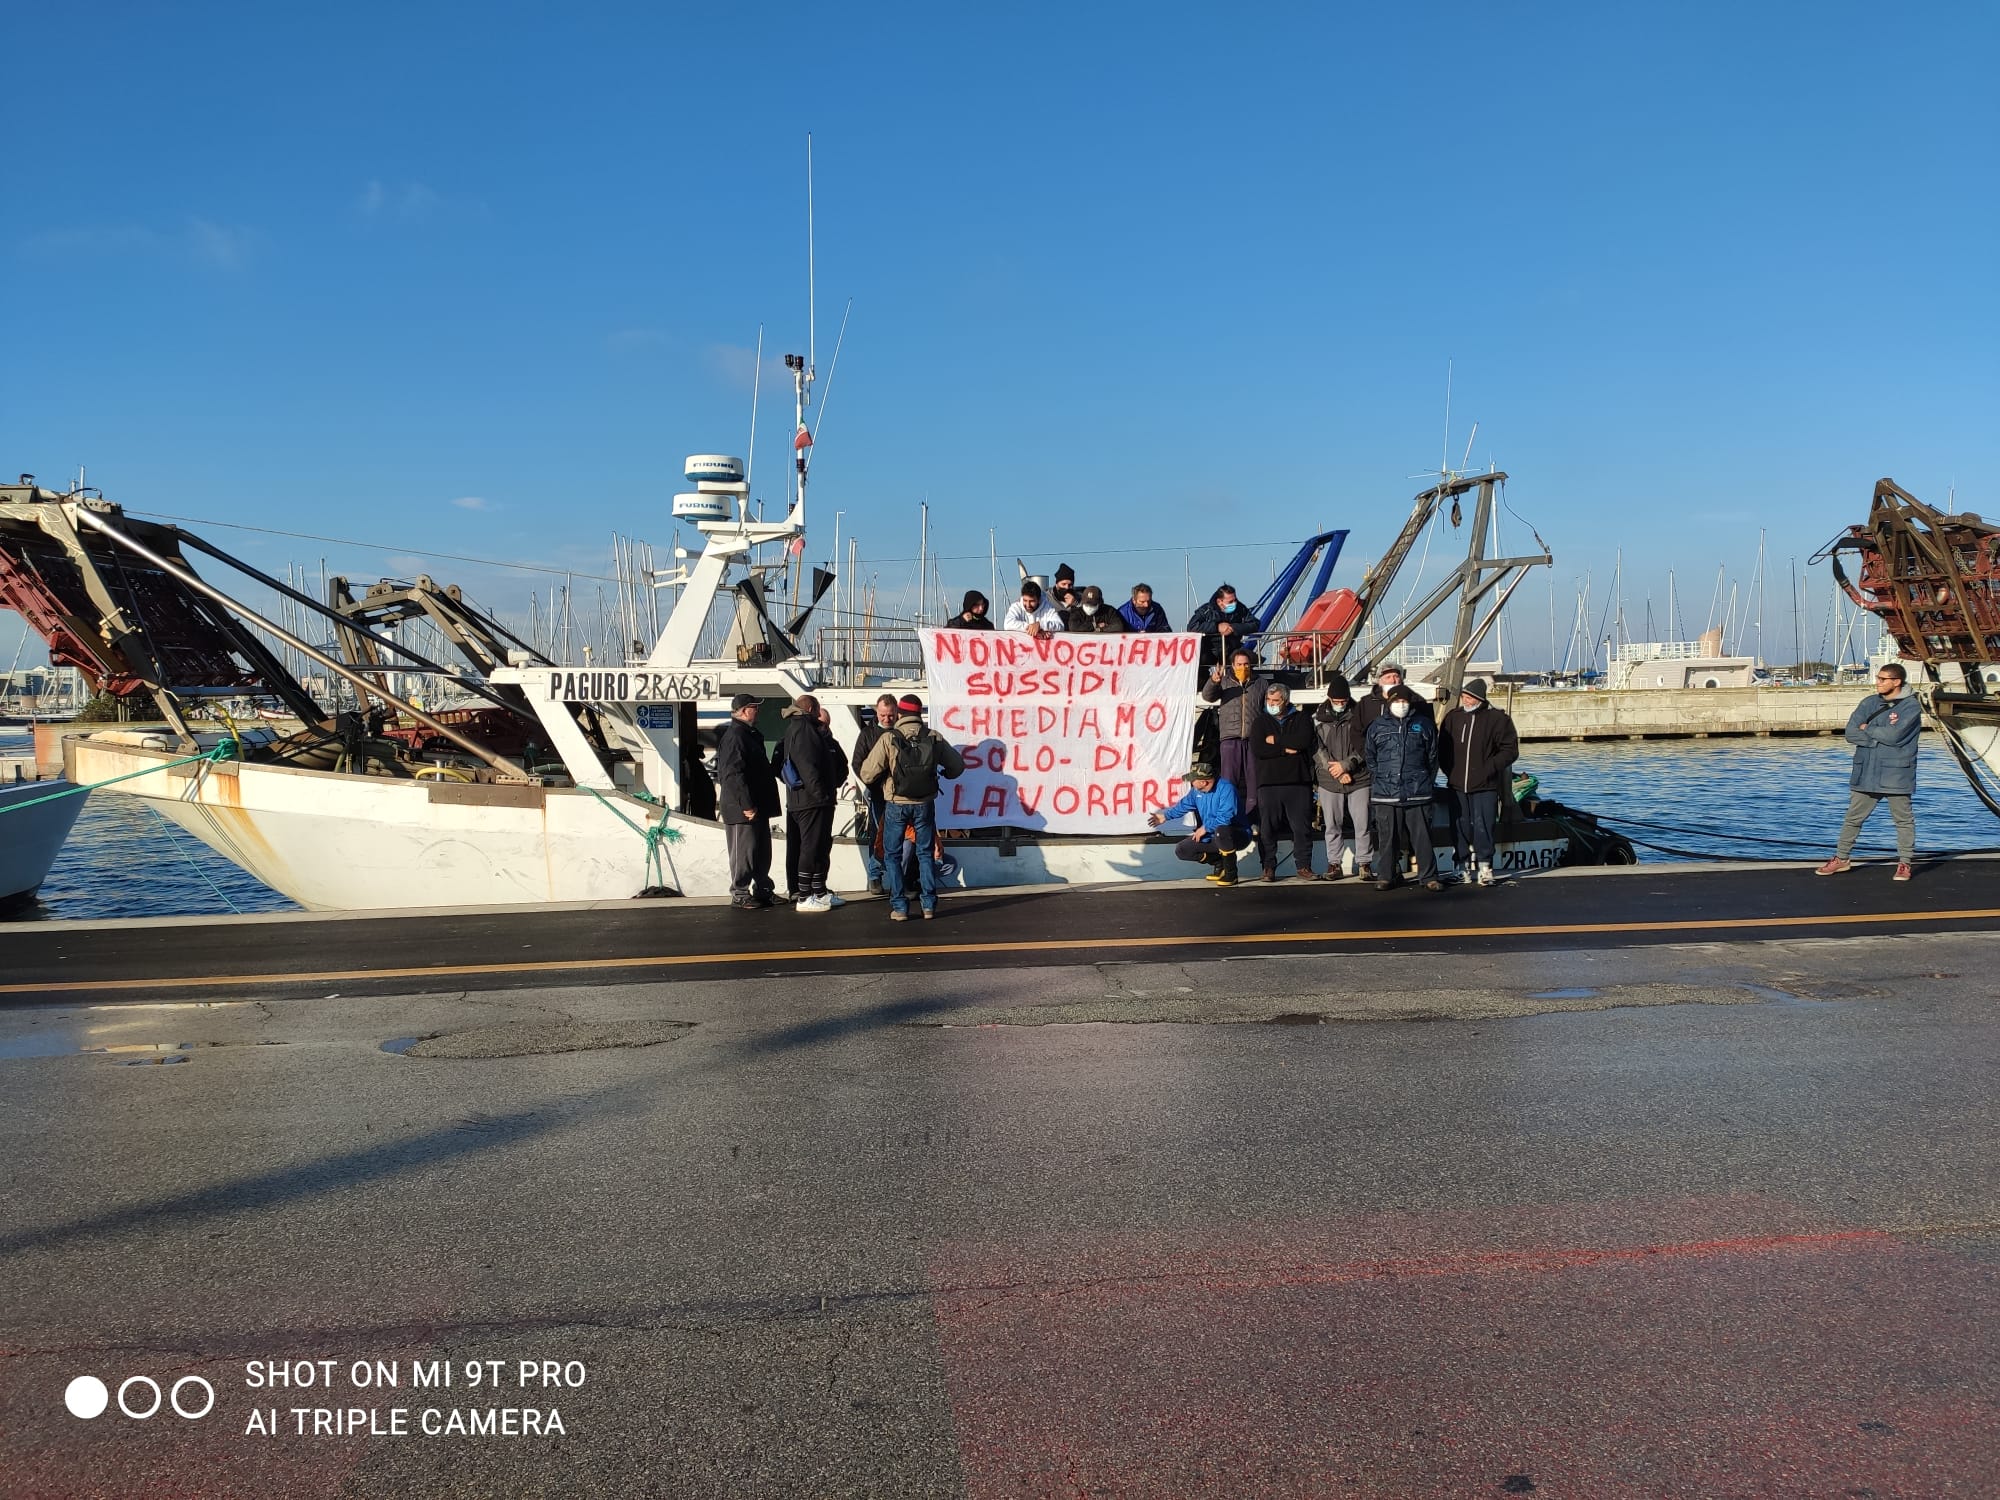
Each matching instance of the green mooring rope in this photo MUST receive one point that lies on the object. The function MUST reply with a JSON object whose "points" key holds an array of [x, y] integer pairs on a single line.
{"points": [[224, 750], [655, 835]]}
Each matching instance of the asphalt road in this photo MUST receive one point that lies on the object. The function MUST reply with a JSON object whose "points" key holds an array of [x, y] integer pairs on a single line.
{"points": [[633, 941], [1675, 1220]]}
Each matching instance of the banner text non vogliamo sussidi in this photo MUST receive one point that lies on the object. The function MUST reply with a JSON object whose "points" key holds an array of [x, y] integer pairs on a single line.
{"points": [[1066, 734]]}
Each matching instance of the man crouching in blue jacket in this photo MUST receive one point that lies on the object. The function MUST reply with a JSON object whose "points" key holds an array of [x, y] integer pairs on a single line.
{"points": [[1218, 834], [1402, 753]]}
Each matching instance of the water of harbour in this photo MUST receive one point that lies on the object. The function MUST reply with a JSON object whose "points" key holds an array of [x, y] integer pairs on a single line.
{"points": [[123, 859], [1773, 799]]}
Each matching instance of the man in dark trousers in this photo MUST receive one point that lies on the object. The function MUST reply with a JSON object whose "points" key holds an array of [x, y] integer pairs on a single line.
{"points": [[909, 760], [1883, 731], [1282, 741], [1238, 696], [972, 615], [1477, 748], [1218, 831], [746, 799], [885, 717], [1342, 773], [813, 768], [1402, 767]]}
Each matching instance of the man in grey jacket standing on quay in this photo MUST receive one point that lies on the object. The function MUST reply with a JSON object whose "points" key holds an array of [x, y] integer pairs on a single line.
{"points": [[1883, 731]]}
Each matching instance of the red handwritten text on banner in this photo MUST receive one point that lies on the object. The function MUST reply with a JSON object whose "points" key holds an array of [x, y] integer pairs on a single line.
{"points": [[1068, 734]]}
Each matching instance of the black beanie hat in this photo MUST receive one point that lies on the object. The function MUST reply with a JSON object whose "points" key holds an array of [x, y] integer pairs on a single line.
{"points": [[1336, 687]]}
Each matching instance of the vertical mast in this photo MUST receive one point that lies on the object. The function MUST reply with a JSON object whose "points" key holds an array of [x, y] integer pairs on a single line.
{"points": [[923, 560]]}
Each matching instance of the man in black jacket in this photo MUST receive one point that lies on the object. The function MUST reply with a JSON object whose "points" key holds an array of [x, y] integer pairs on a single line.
{"points": [[746, 800], [972, 616], [1090, 615], [1477, 748], [813, 767], [1224, 624], [1282, 740]]}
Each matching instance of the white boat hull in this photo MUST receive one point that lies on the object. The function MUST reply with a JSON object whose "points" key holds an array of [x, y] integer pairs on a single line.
{"points": [[31, 837], [339, 842]]}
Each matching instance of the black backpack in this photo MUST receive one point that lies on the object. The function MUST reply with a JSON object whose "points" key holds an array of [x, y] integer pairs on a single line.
{"points": [[914, 775]]}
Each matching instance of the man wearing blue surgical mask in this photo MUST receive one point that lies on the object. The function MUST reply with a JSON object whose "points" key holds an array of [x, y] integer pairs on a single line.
{"points": [[1224, 625]]}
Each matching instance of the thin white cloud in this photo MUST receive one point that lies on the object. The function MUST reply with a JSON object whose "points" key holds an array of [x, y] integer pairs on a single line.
{"points": [[472, 502], [412, 203], [202, 242], [218, 245], [738, 366]]}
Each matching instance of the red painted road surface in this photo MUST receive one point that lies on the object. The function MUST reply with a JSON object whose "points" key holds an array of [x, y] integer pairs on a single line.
{"points": [[1691, 1348]]}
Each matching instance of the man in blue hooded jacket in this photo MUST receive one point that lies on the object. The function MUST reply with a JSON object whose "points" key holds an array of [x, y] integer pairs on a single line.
{"points": [[1883, 731], [1217, 834]]}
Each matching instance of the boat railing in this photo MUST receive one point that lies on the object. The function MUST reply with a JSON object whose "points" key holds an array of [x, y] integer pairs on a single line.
{"points": [[1644, 651], [862, 655]]}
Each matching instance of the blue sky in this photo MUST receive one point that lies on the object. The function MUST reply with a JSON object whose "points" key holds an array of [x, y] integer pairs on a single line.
{"points": [[1166, 277]]}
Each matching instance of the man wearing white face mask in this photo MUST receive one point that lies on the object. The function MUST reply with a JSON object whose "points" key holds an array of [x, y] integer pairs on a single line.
{"points": [[1402, 766], [1342, 773], [1282, 740]]}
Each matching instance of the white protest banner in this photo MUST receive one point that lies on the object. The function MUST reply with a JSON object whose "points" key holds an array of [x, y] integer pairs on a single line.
{"points": [[1067, 734]]}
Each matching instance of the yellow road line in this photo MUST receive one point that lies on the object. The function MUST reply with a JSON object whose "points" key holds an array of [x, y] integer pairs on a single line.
{"points": [[1739, 925]]}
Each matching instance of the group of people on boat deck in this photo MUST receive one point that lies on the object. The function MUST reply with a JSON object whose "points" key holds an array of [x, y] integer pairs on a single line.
{"points": [[1373, 764], [1064, 608]]}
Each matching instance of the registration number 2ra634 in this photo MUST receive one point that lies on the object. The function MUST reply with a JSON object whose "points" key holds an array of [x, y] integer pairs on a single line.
{"points": [[608, 686]]}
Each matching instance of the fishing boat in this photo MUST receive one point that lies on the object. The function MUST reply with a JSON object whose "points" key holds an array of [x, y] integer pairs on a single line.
{"points": [[35, 817], [1933, 578], [560, 783]]}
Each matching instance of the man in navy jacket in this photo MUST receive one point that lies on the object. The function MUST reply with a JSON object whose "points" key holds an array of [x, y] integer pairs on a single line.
{"points": [[1883, 731], [1402, 767]]}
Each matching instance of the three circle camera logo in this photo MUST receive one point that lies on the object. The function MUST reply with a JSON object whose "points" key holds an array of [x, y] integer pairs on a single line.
{"points": [[140, 1397]]}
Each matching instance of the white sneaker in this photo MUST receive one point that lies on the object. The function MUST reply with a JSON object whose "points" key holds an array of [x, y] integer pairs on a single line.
{"points": [[831, 900], [1486, 874], [812, 903]]}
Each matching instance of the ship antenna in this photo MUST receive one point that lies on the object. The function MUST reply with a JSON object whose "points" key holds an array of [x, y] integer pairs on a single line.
{"points": [[750, 462], [812, 325], [1444, 448]]}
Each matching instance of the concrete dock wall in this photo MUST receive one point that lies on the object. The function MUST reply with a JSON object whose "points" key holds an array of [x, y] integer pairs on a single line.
{"points": [[1679, 713]]}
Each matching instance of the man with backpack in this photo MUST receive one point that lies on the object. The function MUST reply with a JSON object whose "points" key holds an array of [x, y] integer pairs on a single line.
{"points": [[908, 761], [813, 768]]}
